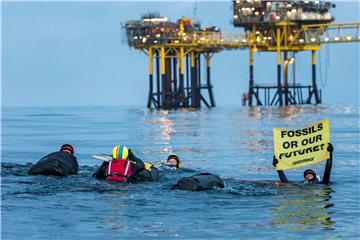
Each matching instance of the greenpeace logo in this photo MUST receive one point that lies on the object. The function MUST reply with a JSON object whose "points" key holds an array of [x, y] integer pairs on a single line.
{"points": [[303, 161]]}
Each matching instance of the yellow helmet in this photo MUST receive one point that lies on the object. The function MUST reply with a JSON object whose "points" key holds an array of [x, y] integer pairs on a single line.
{"points": [[120, 152]]}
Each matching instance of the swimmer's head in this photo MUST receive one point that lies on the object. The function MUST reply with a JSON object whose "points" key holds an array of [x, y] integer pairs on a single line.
{"points": [[173, 160], [67, 148], [310, 176]]}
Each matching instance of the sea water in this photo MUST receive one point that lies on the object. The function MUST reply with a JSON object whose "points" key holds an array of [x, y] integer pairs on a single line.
{"points": [[233, 142]]}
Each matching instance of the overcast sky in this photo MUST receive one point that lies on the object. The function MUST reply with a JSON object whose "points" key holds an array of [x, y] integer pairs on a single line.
{"points": [[71, 53]]}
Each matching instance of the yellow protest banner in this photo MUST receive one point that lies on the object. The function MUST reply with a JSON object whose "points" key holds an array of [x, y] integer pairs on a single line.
{"points": [[298, 148]]}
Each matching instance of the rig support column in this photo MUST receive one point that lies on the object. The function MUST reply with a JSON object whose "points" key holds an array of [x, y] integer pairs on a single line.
{"points": [[286, 64], [158, 78], [168, 80], [315, 90], [251, 79], [198, 69], [208, 80], [181, 92], [163, 77], [293, 77], [195, 99], [174, 94], [150, 97], [278, 42], [187, 81]]}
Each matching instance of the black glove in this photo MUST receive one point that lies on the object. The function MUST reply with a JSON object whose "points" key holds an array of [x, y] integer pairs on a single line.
{"points": [[275, 161], [330, 148], [130, 155]]}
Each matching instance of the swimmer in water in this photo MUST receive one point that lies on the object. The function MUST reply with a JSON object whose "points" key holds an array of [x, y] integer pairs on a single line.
{"points": [[139, 171], [310, 176], [173, 161], [121, 152], [60, 163]]}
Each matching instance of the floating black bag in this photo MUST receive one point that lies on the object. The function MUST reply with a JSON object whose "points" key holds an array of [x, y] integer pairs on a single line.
{"points": [[199, 182], [148, 175]]}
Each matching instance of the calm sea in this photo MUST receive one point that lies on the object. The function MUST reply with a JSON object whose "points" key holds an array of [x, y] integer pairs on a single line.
{"points": [[233, 142]]}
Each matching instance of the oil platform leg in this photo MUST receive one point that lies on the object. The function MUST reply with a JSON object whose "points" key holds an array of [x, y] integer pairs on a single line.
{"points": [[195, 98], [181, 92], [293, 78], [174, 85], [198, 87], [286, 93], [279, 84], [315, 90], [150, 98], [198, 68], [168, 79], [158, 94], [163, 77], [187, 81], [208, 82], [251, 79], [278, 41]]}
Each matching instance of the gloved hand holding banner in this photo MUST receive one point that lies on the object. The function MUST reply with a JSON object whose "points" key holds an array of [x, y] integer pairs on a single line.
{"points": [[298, 148]]}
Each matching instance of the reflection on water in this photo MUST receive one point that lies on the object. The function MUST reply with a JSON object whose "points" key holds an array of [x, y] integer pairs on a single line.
{"points": [[304, 207], [116, 220], [167, 129], [282, 112], [255, 142]]}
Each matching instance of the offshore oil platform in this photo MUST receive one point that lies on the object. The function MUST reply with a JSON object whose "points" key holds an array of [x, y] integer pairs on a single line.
{"points": [[175, 51]]}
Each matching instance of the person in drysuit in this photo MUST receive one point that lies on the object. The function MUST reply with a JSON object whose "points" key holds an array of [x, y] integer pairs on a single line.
{"points": [[60, 163], [310, 176], [172, 163], [126, 167], [151, 173]]}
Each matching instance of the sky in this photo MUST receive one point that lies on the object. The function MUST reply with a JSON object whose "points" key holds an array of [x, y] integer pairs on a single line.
{"points": [[74, 54]]}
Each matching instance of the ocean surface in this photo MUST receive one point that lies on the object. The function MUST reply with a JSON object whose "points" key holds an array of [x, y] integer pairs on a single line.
{"points": [[233, 142]]}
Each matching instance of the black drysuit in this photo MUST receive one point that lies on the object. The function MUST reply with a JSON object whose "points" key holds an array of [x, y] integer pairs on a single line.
{"points": [[59, 163]]}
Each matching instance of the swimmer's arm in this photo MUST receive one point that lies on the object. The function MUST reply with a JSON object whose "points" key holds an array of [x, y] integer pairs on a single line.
{"points": [[101, 172], [281, 173], [282, 176], [139, 164], [328, 166]]}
